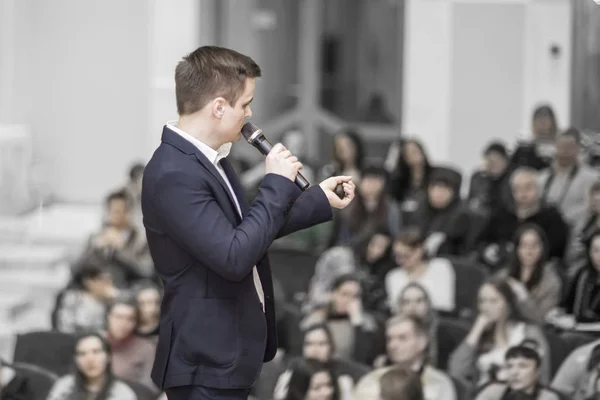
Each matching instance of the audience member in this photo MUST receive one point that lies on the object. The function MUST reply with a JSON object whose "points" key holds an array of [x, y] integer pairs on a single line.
{"points": [[356, 334], [318, 345], [13, 385], [497, 237], [538, 153], [534, 280], [81, 307], [312, 380], [576, 254], [332, 264], [578, 375], [435, 275], [133, 188], [401, 384], [441, 215], [348, 156], [522, 378], [132, 356], [120, 247], [567, 181], [148, 297], [489, 190], [582, 302], [499, 326], [407, 341], [410, 176], [93, 377], [372, 208], [414, 300]]}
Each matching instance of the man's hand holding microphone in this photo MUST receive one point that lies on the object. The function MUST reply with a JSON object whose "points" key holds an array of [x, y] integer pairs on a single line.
{"points": [[282, 162]]}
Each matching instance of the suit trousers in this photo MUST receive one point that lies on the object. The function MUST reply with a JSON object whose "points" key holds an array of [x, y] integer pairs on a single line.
{"points": [[206, 393]]}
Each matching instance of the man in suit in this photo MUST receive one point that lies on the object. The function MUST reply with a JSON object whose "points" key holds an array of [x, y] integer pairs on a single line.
{"points": [[208, 244]]}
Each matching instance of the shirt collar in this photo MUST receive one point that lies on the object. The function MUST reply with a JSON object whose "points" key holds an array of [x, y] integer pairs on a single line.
{"points": [[214, 156]]}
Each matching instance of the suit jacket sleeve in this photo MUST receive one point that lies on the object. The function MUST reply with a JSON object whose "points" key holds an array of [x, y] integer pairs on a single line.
{"points": [[192, 217], [311, 208]]}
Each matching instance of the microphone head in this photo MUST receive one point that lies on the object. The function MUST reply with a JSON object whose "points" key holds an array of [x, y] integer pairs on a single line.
{"points": [[251, 132]]}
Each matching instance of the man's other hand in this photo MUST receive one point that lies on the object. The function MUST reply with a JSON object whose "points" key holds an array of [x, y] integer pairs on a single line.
{"points": [[329, 185]]}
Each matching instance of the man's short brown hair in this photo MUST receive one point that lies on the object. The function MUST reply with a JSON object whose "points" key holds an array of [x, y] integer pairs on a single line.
{"points": [[210, 72]]}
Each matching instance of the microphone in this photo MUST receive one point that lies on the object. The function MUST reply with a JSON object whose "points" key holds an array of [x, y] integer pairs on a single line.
{"points": [[256, 138]]}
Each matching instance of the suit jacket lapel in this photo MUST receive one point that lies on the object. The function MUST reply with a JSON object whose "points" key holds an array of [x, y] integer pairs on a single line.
{"points": [[236, 185]]}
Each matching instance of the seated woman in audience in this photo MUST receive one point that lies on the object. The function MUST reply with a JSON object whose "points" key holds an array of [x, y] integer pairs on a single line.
{"points": [[577, 377], [81, 307], [522, 377], [499, 326], [410, 176], [348, 156], [312, 380], [373, 257], [576, 254], [533, 279], [414, 300], [147, 296], [132, 356], [538, 152], [371, 209], [436, 275], [318, 345], [401, 384], [356, 334], [441, 216], [93, 377], [582, 303]]}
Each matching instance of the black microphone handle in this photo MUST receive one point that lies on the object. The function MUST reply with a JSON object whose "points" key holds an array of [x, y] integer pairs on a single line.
{"points": [[264, 146]]}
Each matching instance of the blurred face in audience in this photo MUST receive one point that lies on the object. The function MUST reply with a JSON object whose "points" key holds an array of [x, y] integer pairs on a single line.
{"points": [[377, 246], [595, 252], [317, 345], [495, 163], [371, 188], [413, 301], [344, 295], [91, 358], [149, 305], [294, 141], [406, 256], [530, 248], [492, 304], [119, 213], [345, 150], [321, 387], [543, 126], [101, 287], [523, 373], [567, 150], [122, 321], [440, 195], [404, 345], [525, 189], [413, 155]]}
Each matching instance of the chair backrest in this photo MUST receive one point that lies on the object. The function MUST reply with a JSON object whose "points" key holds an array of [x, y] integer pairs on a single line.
{"points": [[50, 350], [40, 381], [469, 278], [559, 350], [293, 268]]}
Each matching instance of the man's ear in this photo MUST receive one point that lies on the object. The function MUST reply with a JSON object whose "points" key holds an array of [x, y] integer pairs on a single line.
{"points": [[218, 107]]}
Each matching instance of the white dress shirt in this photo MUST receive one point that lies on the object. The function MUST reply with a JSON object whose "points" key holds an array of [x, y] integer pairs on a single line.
{"points": [[214, 156]]}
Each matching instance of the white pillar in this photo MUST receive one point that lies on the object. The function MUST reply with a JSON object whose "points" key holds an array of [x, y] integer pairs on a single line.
{"points": [[7, 59], [475, 69]]}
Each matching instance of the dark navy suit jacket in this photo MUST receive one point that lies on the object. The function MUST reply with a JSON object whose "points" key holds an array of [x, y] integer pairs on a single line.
{"points": [[213, 331]]}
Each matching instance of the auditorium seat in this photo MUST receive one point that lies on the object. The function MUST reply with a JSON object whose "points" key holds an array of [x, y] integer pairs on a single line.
{"points": [[52, 351], [469, 278]]}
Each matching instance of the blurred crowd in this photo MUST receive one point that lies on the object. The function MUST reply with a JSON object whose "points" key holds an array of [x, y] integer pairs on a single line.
{"points": [[418, 290]]}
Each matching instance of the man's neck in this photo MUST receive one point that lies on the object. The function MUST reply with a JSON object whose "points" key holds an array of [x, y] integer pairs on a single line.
{"points": [[564, 168], [524, 212], [196, 126]]}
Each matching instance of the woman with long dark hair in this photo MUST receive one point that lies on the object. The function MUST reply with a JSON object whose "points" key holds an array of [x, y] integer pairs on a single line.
{"points": [[499, 326], [311, 380], [92, 378], [533, 278], [411, 174], [348, 155]]}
